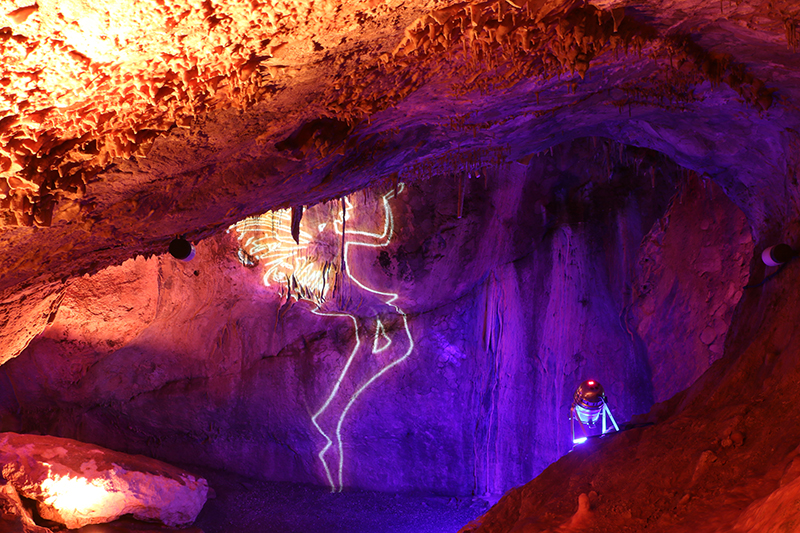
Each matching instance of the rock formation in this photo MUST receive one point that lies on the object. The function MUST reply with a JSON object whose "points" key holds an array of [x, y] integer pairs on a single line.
{"points": [[718, 458], [510, 323], [15, 518], [419, 225], [76, 484]]}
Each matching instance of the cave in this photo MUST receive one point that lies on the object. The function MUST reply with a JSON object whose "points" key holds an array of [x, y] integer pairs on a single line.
{"points": [[315, 266]]}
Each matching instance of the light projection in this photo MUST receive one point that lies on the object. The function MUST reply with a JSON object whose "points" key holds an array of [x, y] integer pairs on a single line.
{"points": [[320, 270], [294, 268], [74, 493], [77, 498]]}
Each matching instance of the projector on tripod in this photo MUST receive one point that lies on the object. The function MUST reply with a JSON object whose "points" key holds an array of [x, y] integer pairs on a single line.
{"points": [[589, 414]]}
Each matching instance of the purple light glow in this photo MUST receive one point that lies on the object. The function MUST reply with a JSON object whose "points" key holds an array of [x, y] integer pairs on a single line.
{"points": [[284, 263]]}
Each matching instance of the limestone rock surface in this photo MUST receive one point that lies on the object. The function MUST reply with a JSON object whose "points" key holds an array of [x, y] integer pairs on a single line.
{"points": [[509, 307], [14, 518], [236, 107], [77, 484], [721, 456], [701, 247], [122, 126]]}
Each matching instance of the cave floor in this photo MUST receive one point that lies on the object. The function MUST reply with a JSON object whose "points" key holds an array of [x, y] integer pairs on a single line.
{"points": [[243, 505]]}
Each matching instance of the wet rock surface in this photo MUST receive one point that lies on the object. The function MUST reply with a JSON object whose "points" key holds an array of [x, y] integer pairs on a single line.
{"points": [[702, 246]]}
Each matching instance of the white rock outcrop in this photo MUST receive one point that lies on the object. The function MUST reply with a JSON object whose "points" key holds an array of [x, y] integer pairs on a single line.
{"points": [[78, 484]]}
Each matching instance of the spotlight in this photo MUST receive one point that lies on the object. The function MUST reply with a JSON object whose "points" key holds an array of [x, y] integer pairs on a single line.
{"points": [[777, 255], [181, 249], [590, 412]]}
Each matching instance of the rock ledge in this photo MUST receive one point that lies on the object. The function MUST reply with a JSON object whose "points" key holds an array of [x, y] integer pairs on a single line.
{"points": [[78, 484]]}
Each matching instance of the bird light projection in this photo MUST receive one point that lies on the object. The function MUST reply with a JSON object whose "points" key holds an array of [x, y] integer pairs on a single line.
{"points": [[319, 268]]}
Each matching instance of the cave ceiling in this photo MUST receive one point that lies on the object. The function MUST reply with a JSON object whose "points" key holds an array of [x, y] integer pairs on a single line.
{"points": [[124, 124]]}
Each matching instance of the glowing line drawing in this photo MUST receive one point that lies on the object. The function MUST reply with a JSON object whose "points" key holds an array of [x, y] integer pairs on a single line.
{"points": [[279, 250], [388, 229], [355, 396], [380, 333], [331, 397]]}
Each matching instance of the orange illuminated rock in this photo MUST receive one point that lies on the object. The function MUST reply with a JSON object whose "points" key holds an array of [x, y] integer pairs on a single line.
{"points": [[77, 484], [14, 518]]}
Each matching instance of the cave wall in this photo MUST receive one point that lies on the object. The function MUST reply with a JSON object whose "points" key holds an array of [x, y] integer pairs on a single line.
{"points": [[701, 248], [721, 456], [546, 279]]}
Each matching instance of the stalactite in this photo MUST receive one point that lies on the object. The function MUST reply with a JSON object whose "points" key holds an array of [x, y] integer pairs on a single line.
{"points": [[494, 304], [343, 270], [790, 26], [297, 216], [461, 190]]}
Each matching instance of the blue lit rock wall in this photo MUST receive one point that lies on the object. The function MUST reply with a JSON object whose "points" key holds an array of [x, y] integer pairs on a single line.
{"points": [[538, 286]]}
